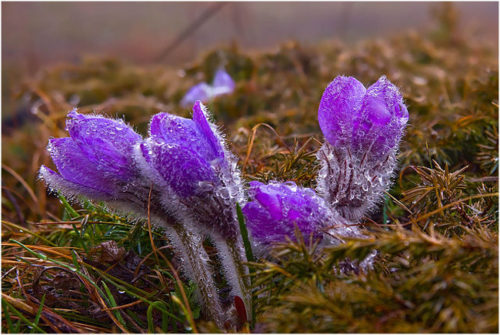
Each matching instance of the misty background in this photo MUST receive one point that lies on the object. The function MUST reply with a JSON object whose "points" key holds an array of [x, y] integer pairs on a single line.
{"points": [[37, 34]]}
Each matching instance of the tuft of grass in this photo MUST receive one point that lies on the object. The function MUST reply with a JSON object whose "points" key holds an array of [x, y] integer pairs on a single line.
{"points": [[113, 286], [422, 282]]}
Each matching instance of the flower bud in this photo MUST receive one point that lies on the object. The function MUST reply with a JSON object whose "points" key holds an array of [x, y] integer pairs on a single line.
{"points": [[197, 174], [95, 161], [277, 208], [222, 84], [363, 128]]}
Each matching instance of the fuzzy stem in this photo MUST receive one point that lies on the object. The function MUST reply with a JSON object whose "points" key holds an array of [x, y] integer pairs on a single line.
{"points": [[232, 255], [195, 262]]}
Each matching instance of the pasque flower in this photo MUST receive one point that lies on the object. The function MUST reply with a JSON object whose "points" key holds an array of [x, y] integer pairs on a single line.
{"points": [[188, 182], [276, 209], [192, 178], [95, 161], [189, 159], [222, 84], [200, 183], [363, 128]]}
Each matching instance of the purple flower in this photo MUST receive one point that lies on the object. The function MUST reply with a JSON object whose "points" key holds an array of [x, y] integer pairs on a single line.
{"points": [[200, 184], [363, 128], [95, 161], [193, 180], [277, 208], [222, 84], [188, 159], [201, 91], [341, 102]]}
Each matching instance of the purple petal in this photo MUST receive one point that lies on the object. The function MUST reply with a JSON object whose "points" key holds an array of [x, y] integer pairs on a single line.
{"points": [[183, 132], [201, 91], [339, 105], [70, 189], [105, 142], [180, 167], [278, 208], [223, 83], [382, 119], [255, 214], [146, 152], [269, 199], [200, 119], [75, 167]]}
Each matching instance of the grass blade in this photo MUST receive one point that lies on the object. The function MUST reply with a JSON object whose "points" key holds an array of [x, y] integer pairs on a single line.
{"points": [[5, 310], [23, 318], [112, 302], [39, 313], [244, 234], [248, 252]]}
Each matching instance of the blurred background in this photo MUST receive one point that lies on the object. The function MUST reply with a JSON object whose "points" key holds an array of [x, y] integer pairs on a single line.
{"points": [[36, 34]]}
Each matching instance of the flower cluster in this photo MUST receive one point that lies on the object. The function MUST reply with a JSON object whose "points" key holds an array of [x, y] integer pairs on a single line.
{"points": [[184, 177], [193, 181], [363, 128]]}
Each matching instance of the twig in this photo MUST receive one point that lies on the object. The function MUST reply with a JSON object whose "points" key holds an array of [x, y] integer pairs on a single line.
{"points": [[195, 25], [439, 210]]}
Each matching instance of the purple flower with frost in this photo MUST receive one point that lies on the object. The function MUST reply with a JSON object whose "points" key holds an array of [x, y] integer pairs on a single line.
{"points": [[363, 128], [187, 157], [95, 161], [99, 161], [277, 208], [200, 184], [222, 84]]}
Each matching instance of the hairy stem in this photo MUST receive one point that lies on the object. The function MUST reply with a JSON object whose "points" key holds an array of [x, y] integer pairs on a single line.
{"points": [[195, 265], [232, 255]]}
